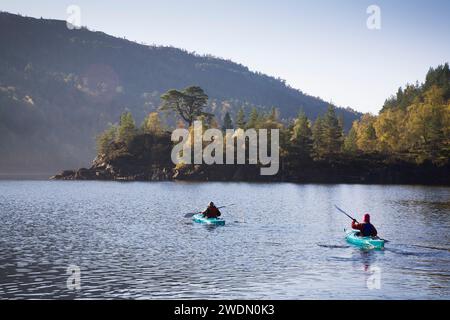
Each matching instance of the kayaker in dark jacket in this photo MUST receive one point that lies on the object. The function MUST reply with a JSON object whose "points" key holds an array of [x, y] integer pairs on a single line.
{"points": [[366, 228], [211, 211]]}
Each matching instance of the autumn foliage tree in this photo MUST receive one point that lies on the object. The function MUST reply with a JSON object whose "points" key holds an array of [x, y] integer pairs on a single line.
{"points": [[152, 124]]}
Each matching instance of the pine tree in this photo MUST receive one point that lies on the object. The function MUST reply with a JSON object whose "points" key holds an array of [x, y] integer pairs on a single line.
{"points": [[106, 139], [240, 119], [333, 132], [253, 119], [127, 128], [318, 138], [270, 121], [188, 104], [301, 134], [227, 122]]}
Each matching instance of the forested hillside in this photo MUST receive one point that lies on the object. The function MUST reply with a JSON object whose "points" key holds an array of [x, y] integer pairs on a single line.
{"points": [[413, 125], [59, 88]]}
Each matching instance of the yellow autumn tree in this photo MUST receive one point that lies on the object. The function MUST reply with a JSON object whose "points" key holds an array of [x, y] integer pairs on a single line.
{"points": [[152, 124], [427, 128], [390, 130], [366, 137]]}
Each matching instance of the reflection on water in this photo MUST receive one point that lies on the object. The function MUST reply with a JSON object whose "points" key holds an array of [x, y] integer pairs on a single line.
{"points": [[280, 241]]}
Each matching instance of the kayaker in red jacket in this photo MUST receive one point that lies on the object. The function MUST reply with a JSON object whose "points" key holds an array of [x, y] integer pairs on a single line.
{"points": [[367, 229], [211, 211]]}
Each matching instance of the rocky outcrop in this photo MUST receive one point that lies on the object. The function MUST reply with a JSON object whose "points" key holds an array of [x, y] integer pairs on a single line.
{"points": [[64, 175], [103, 169]]}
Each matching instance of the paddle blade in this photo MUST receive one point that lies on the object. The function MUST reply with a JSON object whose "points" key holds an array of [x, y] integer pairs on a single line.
{"points": [[190, 214], [228, 205]]}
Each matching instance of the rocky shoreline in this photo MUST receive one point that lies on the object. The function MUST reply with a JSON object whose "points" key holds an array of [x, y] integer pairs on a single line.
{"points": [[364, 171], [102, 169]]}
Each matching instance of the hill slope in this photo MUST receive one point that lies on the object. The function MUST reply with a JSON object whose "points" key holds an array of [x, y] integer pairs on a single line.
{"points": [[59, 88]]}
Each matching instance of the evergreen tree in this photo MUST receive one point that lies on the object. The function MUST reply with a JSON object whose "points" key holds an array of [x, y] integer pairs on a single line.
{"points": [[227, 122], [253, 120], [341, 125], [270, 121], [302, 134], [318, 135], [106, 139], [332, 132], [127, 128], [240, 119], [439, 77], [188, 104]]}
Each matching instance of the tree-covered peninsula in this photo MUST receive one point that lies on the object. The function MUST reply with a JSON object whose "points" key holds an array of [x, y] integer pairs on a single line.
{"points": [[408, 142]]}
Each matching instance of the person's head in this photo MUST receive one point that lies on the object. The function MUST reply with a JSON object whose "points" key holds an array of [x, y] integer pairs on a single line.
{"points": [[211, 204], [366, 218]]}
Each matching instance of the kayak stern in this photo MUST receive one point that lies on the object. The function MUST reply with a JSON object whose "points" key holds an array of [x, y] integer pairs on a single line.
{"points": [[364, 242], [199, 218]]}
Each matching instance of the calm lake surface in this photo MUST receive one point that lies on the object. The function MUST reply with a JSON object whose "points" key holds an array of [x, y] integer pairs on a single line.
{"points": [[281, 241]]}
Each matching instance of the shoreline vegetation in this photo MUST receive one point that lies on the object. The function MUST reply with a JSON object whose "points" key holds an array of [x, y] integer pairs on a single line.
{"points": [[407, 143]]}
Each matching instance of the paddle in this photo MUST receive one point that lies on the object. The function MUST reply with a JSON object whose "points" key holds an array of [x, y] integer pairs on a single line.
{"points": [[345, 213], [190, 214]]}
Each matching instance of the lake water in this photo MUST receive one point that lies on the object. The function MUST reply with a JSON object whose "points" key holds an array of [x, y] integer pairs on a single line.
{"points": [[281, 241]]}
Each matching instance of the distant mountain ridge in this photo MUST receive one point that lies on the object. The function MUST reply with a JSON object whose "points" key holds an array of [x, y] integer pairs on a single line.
{"points": [[59, 88]]}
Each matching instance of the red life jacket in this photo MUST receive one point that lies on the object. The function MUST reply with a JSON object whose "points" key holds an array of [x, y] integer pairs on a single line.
{"points": [[367, 229], [212, 212]]}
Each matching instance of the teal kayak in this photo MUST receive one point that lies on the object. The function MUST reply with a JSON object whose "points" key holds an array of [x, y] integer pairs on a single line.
{"points": [[199, 218], [364, 242]]}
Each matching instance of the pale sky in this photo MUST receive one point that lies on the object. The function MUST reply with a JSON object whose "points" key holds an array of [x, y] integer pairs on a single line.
{"points": [[322, 47]]}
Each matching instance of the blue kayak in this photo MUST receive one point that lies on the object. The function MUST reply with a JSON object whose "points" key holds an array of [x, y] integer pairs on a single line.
{"points": [[199, 218], [364, 242]]}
